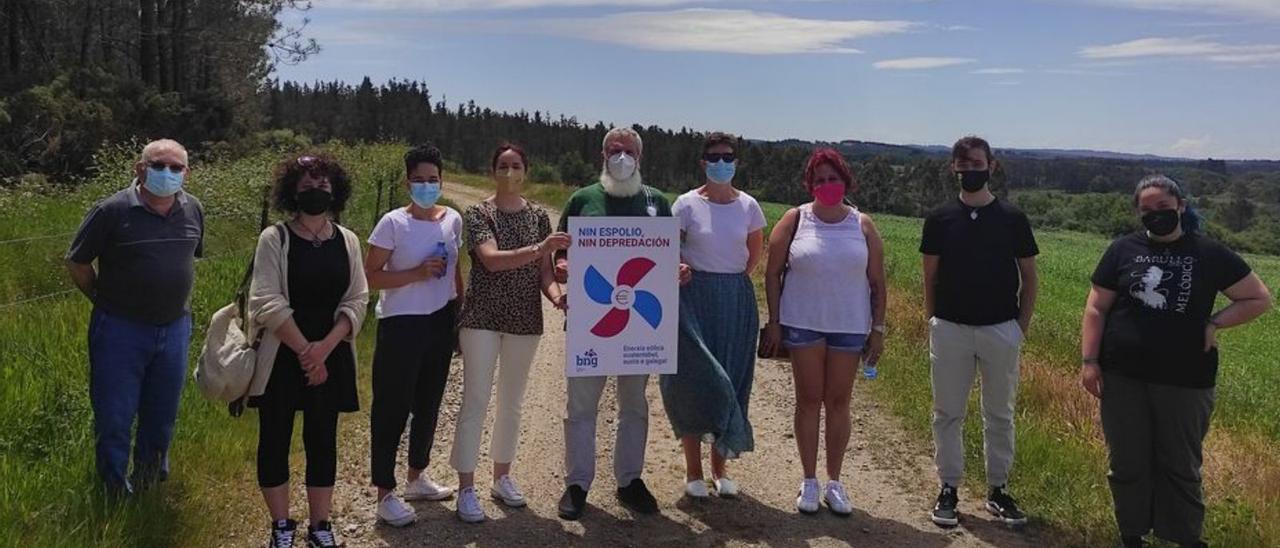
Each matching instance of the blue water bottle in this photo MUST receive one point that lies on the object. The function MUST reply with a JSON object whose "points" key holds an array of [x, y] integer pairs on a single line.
{"points": [[869, 370], [443, 252]]}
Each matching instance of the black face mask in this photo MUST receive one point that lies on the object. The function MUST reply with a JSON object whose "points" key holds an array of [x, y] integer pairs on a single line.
{"points": [[314, 201], [973, 181], [1162, 222]]}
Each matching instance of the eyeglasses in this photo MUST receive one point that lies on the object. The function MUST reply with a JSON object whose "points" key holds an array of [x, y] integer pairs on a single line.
{"points": [[713, 157], [161, 166], [308, 161]]}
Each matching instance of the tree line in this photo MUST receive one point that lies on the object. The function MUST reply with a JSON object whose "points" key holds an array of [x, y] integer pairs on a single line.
{"points": [[76, 75]]}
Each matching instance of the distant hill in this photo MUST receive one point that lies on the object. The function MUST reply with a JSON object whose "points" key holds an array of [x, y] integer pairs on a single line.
{"points": [[866, 149]]}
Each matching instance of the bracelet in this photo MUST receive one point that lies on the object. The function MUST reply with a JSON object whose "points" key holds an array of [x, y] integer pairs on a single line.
{"points": [[1089, 361], [881, 329]]}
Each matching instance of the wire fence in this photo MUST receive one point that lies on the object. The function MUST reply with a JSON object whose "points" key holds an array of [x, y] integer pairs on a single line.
{"points": [[244, 252]]}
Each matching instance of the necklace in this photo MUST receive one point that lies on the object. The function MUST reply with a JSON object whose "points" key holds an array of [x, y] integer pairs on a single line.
{"points": [[316, 241]]}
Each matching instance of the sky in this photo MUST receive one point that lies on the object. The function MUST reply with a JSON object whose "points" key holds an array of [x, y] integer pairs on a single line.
{"points": [[1186, 78]]}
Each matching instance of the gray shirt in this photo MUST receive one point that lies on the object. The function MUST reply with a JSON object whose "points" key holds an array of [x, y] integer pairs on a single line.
{"points": [[146, 261]]}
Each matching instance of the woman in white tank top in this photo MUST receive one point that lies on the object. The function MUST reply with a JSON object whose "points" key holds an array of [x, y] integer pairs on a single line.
{"points": [[829, 313]]}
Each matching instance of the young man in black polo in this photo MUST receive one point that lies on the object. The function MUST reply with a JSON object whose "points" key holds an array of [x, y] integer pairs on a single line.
{"points": [[979, 292]]}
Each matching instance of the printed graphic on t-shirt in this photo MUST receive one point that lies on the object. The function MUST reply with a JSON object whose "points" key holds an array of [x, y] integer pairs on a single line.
{"points": [[1168, 278], [1147, 290]]}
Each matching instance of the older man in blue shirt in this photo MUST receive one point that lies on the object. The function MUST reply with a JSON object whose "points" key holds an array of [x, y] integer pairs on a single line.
{"points": [[145, 239]]}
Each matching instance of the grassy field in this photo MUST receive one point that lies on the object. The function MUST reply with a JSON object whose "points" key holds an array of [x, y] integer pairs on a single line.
{"points": [[48, 494]]}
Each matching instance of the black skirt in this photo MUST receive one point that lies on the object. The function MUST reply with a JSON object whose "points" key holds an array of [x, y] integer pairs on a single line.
{"points": [[318, 279]]}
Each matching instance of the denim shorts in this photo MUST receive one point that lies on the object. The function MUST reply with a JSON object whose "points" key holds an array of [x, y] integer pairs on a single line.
{"points": [[795, 337]]}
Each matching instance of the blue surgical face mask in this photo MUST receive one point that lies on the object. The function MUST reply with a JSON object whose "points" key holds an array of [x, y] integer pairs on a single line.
{"points": [[424, 194], [162, 182], [721, 171]]}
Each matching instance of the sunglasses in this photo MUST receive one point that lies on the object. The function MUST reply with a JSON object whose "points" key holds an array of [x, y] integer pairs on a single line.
{"points": [[315, 167], [713, 157], [161, 166]]}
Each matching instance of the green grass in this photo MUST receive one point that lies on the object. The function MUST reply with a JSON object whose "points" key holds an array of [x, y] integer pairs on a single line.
{"points": [[48, 493]]}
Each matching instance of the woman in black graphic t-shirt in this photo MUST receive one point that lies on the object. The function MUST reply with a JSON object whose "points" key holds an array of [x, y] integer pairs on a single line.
{"points": [[1149, 352]]}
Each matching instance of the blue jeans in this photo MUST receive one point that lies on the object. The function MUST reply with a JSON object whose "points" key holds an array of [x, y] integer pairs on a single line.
{"points": [[135, 370]]}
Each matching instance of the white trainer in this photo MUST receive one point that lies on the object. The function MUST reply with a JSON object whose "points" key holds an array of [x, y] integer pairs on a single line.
{"points": [[394, 512], [726, 488], [424, 488], [469, 509], [837, 500], [505, 490], [696, 489], [807, 500]]}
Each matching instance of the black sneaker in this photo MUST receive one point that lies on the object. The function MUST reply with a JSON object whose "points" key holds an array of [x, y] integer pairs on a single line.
{"points": [[944, 512], [636, 497], [1002, 506], [1132, 541], [573, 502], [320, 535], [282, 534]]}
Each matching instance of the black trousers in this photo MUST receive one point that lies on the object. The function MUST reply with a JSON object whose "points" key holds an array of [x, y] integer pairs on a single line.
{"points": [[319, 438], [1155, 434], [410, 369]]}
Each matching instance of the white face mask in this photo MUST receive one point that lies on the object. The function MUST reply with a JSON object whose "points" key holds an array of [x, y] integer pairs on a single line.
{"points": [[621, 166]]}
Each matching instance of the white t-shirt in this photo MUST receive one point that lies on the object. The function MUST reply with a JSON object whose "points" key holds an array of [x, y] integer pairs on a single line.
{"points": [[412, 241], [715, 235]]}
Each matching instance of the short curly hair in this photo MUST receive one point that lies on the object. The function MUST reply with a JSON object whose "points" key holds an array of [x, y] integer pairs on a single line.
{"points": [[284, 187]]}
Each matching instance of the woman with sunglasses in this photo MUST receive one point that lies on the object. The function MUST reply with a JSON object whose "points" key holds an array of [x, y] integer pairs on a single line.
{"points": [[722, 230], [413, 260], [309, 294]]}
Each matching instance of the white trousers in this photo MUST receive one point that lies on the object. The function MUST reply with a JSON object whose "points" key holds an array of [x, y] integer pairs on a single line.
{"points": [[482, 351]]}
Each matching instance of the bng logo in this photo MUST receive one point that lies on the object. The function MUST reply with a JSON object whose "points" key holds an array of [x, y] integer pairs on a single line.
{"points": [[587, 360]]}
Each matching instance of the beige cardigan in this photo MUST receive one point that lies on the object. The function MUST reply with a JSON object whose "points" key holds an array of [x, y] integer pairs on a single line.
{"points": [[269, 298]]}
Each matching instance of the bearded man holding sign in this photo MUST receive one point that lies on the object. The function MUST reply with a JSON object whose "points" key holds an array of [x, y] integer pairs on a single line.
{"points": [[637, 298]]}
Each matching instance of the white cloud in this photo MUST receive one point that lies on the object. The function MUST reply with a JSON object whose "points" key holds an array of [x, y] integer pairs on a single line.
{"points": [[1195, 47], [1009, 83], [1264, 8], [1191, 146], [722, 31], [922, 63], [999, 71]]}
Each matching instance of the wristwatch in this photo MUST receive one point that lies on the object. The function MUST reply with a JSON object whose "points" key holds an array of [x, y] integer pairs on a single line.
{"points": [[881, 329]]}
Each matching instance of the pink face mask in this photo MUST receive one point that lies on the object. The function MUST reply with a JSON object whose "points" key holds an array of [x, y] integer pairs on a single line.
{"points": [[829, 194]]}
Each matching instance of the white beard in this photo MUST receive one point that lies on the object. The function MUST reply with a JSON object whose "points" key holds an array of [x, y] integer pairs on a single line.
{"points": [[624, 188]]}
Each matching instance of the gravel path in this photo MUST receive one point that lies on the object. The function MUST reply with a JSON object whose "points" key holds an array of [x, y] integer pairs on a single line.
{"points": [[888, 475]]}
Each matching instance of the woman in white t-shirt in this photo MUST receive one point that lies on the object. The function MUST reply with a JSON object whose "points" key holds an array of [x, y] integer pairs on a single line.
{"points": [[413, 260], [722, 230]]}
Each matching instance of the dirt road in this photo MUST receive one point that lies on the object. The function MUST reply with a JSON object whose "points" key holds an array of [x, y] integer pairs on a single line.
{"points": [[889, 477]]}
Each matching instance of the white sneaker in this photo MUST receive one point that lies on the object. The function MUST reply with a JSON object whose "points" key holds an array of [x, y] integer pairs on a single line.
{"points": [[469, 509], [696, 489], [807, 500], [726, 488], [425, 489], [837, 500], [506, 491], [395, 512]]}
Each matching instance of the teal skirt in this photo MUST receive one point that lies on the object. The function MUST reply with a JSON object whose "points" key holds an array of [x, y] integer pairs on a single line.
{"points": [[708, 396]]}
